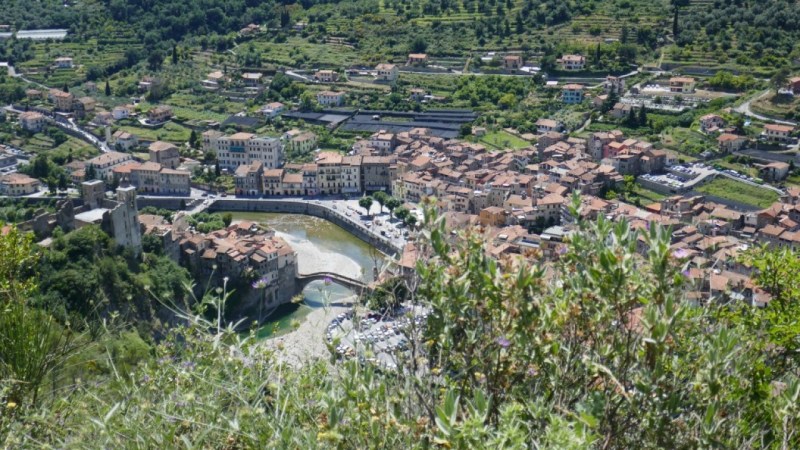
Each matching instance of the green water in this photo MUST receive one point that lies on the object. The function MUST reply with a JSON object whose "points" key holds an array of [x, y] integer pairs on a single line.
{"points": [[321, 247]]}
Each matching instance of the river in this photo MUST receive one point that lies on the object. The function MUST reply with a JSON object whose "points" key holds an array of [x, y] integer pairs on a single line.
{"points": [[321, 247]]}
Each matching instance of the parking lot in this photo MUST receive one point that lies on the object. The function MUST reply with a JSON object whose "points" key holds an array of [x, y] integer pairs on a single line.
{"points": [[373, 338], [377, 221]]}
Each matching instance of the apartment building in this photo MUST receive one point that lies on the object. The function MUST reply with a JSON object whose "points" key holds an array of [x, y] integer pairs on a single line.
{"points": [[243, 148], [249, 179], [105, 163], [329, 171]]}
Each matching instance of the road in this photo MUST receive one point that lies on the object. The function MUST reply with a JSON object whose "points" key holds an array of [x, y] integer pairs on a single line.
{"points": [[744, 108], [67, 124]]}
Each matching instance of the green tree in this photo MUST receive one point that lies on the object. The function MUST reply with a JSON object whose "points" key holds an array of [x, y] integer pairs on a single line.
{"points": [[507, 101], [392, 203], [418, 45], [629, 185], [780, 78], [227, 218], [33, 345], [677, 5], [401, 213], [380, 197], [41, 167], [366, 203], [155, 60], [410, 220], [62, 181], [642, 119], [307, 101], [107, 90], [632, 120], [90, 173], [194, 140], [612, 100]]}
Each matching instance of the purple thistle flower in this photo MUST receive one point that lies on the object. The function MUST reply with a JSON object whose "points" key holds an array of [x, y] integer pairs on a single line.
{"points": [[260, 283], [502, 342], [686, 273], [680, 253], [532, 372], [188, 365], [328, 281], [562, 250]]}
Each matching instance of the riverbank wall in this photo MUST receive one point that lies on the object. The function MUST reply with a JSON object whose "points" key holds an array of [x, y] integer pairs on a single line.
{"points": [[307, 208], [286, 206]]}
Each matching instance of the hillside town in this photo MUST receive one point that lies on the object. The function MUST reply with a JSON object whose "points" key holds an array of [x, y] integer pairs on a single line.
{"points": [[519, 194]]}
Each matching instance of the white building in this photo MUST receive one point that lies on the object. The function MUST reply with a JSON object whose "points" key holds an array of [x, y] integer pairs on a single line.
{"points": [[105, 163], [272, 110], [18, 184], [243, 148], [122, 112], [572, 62], [64, 63], [386, 72], [330, 98]]}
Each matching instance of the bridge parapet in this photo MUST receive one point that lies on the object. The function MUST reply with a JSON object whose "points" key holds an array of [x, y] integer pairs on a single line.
{"points": [[350, 283]]}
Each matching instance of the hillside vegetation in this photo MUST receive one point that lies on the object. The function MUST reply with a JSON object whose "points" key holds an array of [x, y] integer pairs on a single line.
{"points": [[604, 353], [723, 33]]}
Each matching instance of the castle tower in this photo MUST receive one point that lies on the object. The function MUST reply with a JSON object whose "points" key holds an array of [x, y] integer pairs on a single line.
{"points": [[125, 220], [93, 192]]}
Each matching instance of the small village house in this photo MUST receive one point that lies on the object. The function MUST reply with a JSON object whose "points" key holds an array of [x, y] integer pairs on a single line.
{"points": [[572, 94], [572, 62], [386, 72], [681, 85], [512, 62]]}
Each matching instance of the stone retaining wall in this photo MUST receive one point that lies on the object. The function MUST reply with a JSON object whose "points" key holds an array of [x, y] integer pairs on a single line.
{"points": [[308, 208]]}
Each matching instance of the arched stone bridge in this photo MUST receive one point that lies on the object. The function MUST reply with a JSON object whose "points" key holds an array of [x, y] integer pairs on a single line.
{"points": [[303, 279]]}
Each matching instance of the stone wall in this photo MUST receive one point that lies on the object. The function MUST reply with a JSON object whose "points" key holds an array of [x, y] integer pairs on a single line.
{"points": [[308, 208], [171, 203]]}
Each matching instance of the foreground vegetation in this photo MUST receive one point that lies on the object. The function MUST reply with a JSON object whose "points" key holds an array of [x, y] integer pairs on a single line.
{"points": [[605, 354]]}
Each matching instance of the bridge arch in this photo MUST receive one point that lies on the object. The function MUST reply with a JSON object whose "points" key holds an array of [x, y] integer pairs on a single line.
{"points": [[302, 281]]}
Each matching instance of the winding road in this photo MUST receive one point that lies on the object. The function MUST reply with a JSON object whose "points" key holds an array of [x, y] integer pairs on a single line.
{"points": [[745, 109], [65, 124]]}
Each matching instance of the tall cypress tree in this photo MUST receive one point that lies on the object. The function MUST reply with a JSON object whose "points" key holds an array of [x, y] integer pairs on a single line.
{"points": [[643, 116]]}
